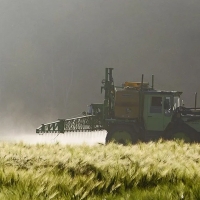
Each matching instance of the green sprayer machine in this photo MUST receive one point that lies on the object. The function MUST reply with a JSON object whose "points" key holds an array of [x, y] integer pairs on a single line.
{"points": [[134, 112]]}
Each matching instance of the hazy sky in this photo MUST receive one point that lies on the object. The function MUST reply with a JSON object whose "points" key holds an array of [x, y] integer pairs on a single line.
{"points": [[53, 53]]}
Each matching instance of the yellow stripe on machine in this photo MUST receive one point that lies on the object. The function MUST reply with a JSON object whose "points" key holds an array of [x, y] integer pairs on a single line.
{"points": [[136, 84]]}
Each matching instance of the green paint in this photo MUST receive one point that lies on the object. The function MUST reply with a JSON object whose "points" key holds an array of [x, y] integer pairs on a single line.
{"points": [[122, 137]]}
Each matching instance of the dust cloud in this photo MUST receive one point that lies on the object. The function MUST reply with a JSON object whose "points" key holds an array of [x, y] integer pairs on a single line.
{"points": [[53, 54]]}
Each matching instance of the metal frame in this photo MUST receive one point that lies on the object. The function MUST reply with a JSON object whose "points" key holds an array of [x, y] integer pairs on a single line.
{"points": [[85, 123]]}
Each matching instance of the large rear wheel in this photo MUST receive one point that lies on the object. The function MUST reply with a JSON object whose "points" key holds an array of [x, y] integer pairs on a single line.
{"points": [[121, 135], [181, 135]]}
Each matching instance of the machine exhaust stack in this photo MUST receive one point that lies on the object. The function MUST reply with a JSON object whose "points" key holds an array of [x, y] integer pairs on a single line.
{"points": [[152, 82], [142, 82], [195, 101]]}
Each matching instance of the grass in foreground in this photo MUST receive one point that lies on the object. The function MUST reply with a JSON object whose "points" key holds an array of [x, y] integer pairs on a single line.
{"points": [[162, 170]]}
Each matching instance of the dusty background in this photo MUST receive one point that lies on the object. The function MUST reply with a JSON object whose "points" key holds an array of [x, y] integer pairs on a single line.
{"points": [[53, 53]]}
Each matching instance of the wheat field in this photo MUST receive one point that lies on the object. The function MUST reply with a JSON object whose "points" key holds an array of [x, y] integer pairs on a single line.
{"points": [[154, 170]]}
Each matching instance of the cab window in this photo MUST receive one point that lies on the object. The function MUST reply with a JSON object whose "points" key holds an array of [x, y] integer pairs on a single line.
{"points": [[156, 105], [167, 106], [167, 103]]}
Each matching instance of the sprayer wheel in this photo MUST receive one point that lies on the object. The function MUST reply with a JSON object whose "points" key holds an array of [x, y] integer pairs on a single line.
{"points": [[180, 134], [121, 135]]}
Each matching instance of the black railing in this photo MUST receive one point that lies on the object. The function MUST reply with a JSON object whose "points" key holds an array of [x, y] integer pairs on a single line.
{"points": [[85, 123]]}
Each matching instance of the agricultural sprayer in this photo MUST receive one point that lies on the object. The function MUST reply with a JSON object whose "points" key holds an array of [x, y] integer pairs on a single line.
{"points": [[134, 112]]}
